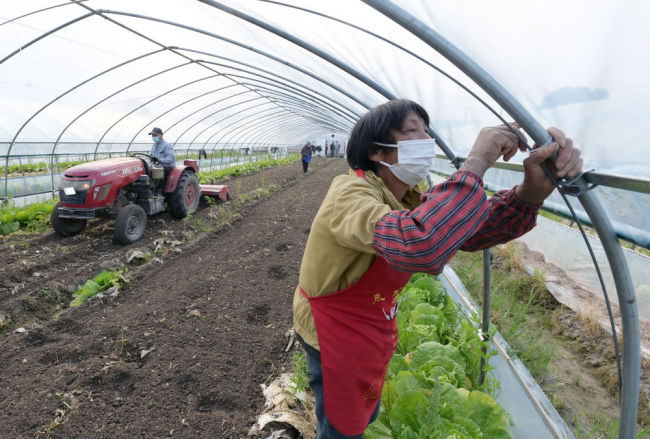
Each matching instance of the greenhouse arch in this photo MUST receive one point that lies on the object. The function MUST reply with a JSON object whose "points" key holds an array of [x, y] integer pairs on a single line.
{"points": [[268, 75]]}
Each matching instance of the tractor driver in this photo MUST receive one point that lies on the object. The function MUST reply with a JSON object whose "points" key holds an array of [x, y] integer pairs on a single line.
{"points": [[162, 152]]}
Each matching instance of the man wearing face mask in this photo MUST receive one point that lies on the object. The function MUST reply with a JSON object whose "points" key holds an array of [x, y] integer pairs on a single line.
{"points": [[374, 229], [162, 153]]}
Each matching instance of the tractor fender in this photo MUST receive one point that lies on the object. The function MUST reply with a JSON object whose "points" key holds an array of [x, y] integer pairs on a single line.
{"points": [[175, 175]]}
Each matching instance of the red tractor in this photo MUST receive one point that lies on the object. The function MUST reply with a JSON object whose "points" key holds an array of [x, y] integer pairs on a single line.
{"points": [[125, 189]]}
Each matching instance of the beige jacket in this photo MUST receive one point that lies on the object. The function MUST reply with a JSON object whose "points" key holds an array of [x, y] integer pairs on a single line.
{"points": [[339, 248]]}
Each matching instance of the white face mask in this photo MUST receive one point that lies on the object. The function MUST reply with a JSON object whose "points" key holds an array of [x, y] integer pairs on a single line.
{"points": [[414, 159]]}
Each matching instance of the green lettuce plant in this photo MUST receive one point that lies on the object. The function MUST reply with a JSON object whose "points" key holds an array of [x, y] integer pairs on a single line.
{"points": [[432, 387]]}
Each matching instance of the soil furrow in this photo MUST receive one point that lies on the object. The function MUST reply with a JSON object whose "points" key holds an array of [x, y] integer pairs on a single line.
{"points": [[182, 350]]}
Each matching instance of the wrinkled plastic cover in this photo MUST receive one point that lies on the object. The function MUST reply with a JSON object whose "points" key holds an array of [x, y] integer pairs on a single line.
{"points": [[209, 78]]}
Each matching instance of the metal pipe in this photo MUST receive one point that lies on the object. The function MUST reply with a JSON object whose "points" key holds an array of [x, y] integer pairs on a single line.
{"points": [[285, 126], [277, 139], [228, 117], [243, 118], [485, 321], [620, 270], [284, 118], [310, 109], [42, 10], [403, 49], [113, 94], [629, 396], [263, 137], [315, 112], [246, 47], [317, 109], [353, 117], [312, 115], [306, 98], [50, 32], [274, 115], [353, 114], [166, 112], [332, 60], [213, 113], [156, 98]]}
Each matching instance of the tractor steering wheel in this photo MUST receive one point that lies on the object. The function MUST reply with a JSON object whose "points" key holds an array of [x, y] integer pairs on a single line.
{"points": [[146, 155], [148, 164]]}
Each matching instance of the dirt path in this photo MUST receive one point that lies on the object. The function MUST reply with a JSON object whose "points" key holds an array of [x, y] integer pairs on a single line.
{"points": [[182, 350]]}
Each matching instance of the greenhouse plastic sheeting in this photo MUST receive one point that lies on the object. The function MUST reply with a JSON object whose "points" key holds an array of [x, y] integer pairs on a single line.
{"points": [[95, 76]]}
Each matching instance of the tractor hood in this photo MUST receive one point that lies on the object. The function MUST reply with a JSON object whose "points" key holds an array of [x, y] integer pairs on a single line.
{"points": [[120, 166]]}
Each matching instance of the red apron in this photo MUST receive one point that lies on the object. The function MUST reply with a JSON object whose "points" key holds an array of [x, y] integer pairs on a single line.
{"points": [[357, 334]]}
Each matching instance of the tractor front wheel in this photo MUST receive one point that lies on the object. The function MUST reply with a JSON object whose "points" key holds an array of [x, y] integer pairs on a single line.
{"points": [[185, 199], [65, 226], [130, 224]]}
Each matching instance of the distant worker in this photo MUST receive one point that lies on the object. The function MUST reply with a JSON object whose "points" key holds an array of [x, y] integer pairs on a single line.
{"points": [[332, 148], [162, 153], [338, 149], [305, 154], [203, 154]]}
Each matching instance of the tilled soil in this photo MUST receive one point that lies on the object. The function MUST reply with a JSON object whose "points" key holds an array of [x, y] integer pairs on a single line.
{"points": [[183, 348]]}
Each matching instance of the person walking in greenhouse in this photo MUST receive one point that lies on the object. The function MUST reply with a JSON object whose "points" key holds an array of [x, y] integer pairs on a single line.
{"points": [[374, 229], [163, 153], [305, 156]]}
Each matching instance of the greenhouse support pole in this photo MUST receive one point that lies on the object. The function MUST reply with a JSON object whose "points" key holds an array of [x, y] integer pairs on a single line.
{"points": [[624, 287], [485, 324]]}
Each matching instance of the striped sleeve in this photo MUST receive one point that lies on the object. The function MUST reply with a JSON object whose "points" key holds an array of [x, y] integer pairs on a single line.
{"points": [[455, 214]]}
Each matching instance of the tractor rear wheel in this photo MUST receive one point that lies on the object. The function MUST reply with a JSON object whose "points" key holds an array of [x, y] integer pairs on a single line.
{"points": [[130, 224], [185, 199], [65, 226]]}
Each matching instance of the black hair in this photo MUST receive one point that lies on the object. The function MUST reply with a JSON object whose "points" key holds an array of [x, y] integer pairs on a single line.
{"points": [[375, 126]]}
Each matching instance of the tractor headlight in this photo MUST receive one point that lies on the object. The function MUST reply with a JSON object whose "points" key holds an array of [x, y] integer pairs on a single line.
{"points": [[76, 185]]}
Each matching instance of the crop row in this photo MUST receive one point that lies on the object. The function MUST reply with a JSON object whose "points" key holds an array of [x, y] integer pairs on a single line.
{"points": [[432, 387], [36, 168]]}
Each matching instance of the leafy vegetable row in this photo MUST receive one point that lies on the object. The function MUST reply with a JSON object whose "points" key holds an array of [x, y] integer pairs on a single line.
{"points": [[35, 168], [235, 171], [34, 217], [432, 388]]}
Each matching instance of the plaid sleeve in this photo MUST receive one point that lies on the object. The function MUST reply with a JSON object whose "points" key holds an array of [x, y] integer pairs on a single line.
{"points": [[509, 218], [455, 214]]}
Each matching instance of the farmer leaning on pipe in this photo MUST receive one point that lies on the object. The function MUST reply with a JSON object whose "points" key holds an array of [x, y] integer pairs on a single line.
{"points": [[374, 229]]}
